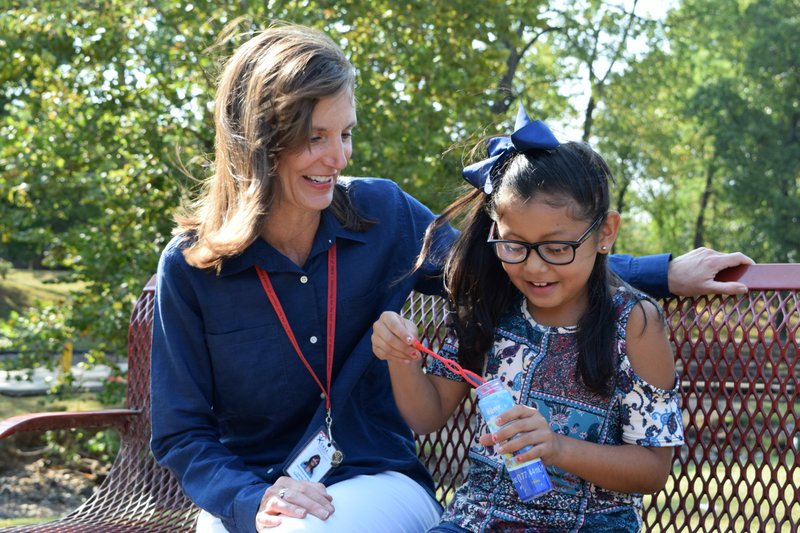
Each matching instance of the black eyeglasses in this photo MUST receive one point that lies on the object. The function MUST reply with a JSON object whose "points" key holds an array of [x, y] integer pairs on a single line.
{"points": [[553, 252]]}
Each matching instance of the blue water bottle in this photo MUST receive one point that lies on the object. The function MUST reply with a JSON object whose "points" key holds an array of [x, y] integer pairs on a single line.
{"points": [[530, 478]]}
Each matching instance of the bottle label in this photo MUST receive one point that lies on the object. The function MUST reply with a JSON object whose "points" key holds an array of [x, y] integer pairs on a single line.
{"points": [[493, 406], [530, 478]]}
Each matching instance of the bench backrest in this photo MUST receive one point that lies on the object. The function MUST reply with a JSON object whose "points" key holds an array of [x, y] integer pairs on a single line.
{"points": [[135, 472], [737, 358]]}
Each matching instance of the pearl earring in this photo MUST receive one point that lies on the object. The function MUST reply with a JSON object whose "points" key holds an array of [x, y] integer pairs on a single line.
{"points": [[604, 248]]}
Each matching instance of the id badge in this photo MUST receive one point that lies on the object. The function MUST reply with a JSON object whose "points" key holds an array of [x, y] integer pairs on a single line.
{"points": [[316, 459]]}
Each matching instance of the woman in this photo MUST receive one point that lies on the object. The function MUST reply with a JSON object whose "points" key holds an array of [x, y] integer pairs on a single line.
{"points": [[264, 303], [232, 397]]}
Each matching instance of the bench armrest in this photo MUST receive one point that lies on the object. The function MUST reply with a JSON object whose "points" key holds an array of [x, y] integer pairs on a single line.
{"points": [[66, 420], [764, 276]]}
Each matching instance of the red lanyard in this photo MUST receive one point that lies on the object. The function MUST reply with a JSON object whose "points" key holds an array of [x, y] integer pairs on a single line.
{"points": [[273, 298]]}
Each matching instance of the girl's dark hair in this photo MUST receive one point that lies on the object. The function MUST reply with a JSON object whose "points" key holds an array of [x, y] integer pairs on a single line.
{"points": [[479, 291]]}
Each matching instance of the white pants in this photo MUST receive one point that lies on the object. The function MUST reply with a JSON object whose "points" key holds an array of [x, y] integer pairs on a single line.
{"points": [[388, 502]]}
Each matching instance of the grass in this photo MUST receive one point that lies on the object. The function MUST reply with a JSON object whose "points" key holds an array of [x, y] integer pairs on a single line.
{"points": [[18, 405], [22, 287], [14, 522]]}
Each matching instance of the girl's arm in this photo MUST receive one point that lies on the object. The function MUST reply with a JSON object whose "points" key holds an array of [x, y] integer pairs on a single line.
{"points": [[425, 401], [624, 468]]}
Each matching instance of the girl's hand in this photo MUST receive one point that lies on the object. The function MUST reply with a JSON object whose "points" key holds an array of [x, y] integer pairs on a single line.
{"points": [[391, 338], [525, 426], [294, 498]]}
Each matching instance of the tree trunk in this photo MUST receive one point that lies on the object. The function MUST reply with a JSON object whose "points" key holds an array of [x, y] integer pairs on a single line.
{"points": [[699, 226]]}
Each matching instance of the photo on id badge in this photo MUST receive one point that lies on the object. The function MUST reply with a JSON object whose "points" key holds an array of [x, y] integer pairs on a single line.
{"points": [[315, 460]]}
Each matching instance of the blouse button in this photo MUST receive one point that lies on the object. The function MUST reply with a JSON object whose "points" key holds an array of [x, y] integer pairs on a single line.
{"points": [[303, 279], [313, 340]]}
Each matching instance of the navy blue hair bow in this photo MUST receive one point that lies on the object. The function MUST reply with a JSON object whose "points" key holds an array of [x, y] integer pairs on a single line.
{"points": [[528, 135]]}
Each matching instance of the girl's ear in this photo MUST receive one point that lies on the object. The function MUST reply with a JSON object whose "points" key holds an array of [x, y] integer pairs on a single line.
{"points": [[608, 232]]}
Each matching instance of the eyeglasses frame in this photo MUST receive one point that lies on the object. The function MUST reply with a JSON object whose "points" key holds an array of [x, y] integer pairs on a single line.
{"points": [[535, 245]]}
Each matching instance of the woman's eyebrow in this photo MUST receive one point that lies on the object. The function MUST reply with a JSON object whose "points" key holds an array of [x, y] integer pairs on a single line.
{"points": [[323, 128]]}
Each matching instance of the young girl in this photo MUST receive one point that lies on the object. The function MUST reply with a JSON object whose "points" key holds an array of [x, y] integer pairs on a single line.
{"points": [[585, 357]]}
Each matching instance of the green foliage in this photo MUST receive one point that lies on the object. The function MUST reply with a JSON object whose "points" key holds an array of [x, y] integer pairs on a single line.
{"points": [[704, 129], [106, 117], [38, 334], [70, 447], [88, 152]]}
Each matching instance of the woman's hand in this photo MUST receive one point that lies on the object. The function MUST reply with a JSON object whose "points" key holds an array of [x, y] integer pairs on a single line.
{"points": [[694, 272], [291, 497], [391, 338], [524, 426]]}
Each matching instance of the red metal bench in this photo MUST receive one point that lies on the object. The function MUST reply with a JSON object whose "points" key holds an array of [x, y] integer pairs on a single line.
{"points": [[737, 358]]}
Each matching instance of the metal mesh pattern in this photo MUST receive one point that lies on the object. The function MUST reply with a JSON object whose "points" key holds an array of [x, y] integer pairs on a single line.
{"points": [[737, 358], [444, 452]]}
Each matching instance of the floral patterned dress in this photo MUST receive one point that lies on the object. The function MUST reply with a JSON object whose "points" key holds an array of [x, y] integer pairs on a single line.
{"points": [[537, 364]]}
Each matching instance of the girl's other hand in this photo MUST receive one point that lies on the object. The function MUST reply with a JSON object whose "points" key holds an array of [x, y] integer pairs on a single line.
{"points": [[524, 426], [392, 336]]}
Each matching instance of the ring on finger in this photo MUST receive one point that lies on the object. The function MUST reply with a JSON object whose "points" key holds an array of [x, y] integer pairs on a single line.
{"points": [[282, 493]]}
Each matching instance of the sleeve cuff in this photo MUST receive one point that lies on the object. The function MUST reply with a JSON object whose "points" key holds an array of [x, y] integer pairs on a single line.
{"points": [[245, 509], [647, 273]]}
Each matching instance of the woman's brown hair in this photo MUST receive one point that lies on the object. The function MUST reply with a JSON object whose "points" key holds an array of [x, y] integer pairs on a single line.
{"points": [[264, 103]]}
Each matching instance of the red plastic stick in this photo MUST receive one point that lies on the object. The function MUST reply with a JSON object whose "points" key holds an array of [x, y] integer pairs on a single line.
{"points": [[470, 377]]}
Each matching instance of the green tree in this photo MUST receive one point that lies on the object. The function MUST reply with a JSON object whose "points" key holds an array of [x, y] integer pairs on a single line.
{"points": [[742, 99], [90, 176], [106, 116], [758, 137], [690, 128]]}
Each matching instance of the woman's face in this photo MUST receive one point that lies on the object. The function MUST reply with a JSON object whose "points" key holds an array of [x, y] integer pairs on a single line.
{"points": [[308, 175]]}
